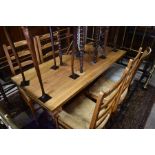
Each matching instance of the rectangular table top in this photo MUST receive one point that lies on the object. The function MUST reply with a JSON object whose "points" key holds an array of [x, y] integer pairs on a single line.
{"points": [[58, 84]]}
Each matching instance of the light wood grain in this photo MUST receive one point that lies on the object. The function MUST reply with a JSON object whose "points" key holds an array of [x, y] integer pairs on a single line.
{"points": [[57, 82]]}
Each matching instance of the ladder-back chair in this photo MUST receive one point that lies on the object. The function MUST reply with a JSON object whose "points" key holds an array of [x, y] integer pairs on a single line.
{"points": [[23, 54], [108, 80], [26, 63], [82, 112], [44, 46]]}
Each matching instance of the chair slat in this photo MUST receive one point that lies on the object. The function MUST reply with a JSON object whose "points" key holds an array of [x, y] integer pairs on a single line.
{"points": [[44, 42]]}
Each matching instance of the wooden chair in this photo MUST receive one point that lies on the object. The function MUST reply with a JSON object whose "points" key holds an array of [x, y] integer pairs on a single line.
{"points": [[82, 112], [26, 63], [44, 46], [24, 56], [113, 75]]}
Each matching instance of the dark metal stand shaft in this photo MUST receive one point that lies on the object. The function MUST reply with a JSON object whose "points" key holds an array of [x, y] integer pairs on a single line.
{"points": [[52, 42], [81, 47], [45, 97], [59, 48], [24, 82], [74, 49]]}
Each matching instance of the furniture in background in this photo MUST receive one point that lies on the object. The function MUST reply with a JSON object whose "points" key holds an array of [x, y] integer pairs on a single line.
{"points": [[26, 62], [23, 54], [62, 40], [130, 38]]}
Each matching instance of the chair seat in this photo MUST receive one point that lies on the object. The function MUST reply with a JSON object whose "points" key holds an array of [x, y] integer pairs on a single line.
{"points": [[78, 113], [107, 81], [114, 73], [89, 48]]}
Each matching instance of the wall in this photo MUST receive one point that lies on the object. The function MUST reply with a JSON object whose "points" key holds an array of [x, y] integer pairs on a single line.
{"points": [[16, 34]]}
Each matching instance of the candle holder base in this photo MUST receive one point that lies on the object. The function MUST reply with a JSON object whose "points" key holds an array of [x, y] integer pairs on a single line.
{"points": [[74, 76], [114, 50], [94, 61], [81, 70], [63, 64], [102, 57], [44, 98], [54, 67], [25, 83]]}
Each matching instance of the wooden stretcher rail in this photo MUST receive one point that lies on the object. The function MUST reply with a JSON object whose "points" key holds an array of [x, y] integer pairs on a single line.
{"points": [[18, 44], [2, 58], [29, 62], [2, 62], [50, 53], [3, 67], [47, 45], [21, 54], [62, 38], [46, 36]]}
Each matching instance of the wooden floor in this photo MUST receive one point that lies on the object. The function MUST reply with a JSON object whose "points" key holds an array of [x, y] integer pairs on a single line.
{"points": [[59, 85]]}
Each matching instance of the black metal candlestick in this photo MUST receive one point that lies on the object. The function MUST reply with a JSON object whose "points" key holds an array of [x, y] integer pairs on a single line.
{"points": [[81, 46], [52, 42], [24, 82], [45, 97], [74, 50], [59, 47], [106, 32]]}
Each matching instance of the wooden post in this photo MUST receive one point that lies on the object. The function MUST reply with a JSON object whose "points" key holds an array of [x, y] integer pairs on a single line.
{"points": [[106, 32], [124, 34], [24, 82], [133, 37], [93, 29], [74, 49], [52, 42], [68, 36], [141, 45], [115, 39], [29, 39], [96, 37]]}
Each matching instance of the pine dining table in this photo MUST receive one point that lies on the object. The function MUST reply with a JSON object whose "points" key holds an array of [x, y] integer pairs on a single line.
{"points": [[59, 85]]}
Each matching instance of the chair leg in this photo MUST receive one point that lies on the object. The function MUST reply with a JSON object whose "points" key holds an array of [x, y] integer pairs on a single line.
{"points": [[30, 104], [54, 116]]}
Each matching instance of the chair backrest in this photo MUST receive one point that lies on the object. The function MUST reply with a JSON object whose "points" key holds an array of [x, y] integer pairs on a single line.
{"points": [[44, 46], [107, 102], [23, 54], [136, 62]]}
